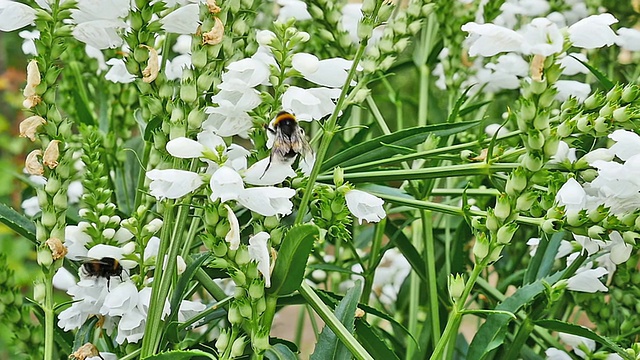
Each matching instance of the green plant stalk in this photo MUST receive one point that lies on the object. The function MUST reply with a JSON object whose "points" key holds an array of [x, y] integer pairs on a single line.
{"points": [[209, 285], [451, 330], [429, 254], [142, 174], [414, 297], [334, 324], [49, 315], [373, 260]]}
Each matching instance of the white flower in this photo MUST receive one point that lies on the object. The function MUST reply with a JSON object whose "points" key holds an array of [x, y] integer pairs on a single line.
{"points": [[184, 20], [118, 72], [98, 55], [100, 251], [14, 15], [250, 72], [63, 279], [542, 37], [293, 9], [189, 309], [564, 153], [267, 201], [310, 104], [587, 280], [76, 240], [571, 66], [182, 45], [28, 45], [567, 88], [591, 246], [555, 354], [628, 39], [227, 120], [184, 148], [489, 39], [259, 252], [174, 68], [577, 342], [172, 184], [31, 206], [226, 184], [619, 250], [233, 236], [100, 34], [572, 196], [243, 97], [121, 300], [131, 327], [593, 32], [330, 72], [265, 37], [627, 144], [267, 172], [365, 206], [601, 154]]}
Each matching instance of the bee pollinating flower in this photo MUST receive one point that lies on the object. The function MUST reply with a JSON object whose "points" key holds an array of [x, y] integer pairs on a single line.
{"points": [[289, 140]]}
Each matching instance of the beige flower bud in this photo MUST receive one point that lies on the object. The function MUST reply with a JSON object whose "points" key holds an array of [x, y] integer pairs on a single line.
{"points": [[33, 79], [214, 36], [359, 313], [150, 73], [213, 7], [51, 154], [85, 351], [33, 166], [58, 250], [29, 126], [537, 67]]}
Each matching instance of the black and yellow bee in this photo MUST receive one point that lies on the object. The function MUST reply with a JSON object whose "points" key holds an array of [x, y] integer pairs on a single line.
{"points": [[105, 268], [289, 140]]}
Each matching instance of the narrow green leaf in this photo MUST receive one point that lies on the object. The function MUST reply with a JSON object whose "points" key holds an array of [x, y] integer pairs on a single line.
{"points": [[85, 333], [126, 179], [292, 259], [280, 352], [456, 107], [561, 326], [407, 249], [491, 334], [80, 96], [183, 281], [18, 223], [329, 346], [608, 84], [180, 355], [542, 262], [372, 342], [469, 109], [151, 127], [373, 150]]}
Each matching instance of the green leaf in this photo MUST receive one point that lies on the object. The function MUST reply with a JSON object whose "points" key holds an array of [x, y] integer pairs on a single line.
{"points": [[280, 352], [373, 150], [180, 355], [149, 128], [80, 97], [608, 84], [407, 249], [85, 333], [183, 281], [126, 179], [292, 259], [329, 346], [491, 334], [542, 262], [18, 223], [561, 326], [372, 342], [456, 107]]}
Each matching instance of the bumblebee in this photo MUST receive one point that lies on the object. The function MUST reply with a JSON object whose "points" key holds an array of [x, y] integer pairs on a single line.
{"points": [[289, 139], [105, 267]]}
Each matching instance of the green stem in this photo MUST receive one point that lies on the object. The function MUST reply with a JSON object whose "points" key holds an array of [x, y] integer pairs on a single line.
{"points": [[334, 324], [414, 298], [374, 259], [451, 330], [143, 173], [49, 316], [430, 259]]}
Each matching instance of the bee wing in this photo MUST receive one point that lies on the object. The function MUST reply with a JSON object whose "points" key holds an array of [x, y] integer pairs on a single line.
{"points": [[86, 259]]}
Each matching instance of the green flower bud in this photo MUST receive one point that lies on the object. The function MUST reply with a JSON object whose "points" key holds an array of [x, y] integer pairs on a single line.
{"points": [[222, 229], [505, 233], [589, 174], [60, 201], [541, 121], [44, 257], [606, 110], [223, 341], [614, 94], [555, 212], [456, 286], [261, 340], [188, 92], [598, 214], [481, 247], [630, 237], [593, 101], [218, 263], [551, 226], [242, 255], [502, 208], [234, 314], [525, 201], [245, 308], [368, 6], [551, 145], [492, 223], [52, 186], [39, 293], [237, 349], [596, 232], [533, 161], [630, 93], [364, 29], [578, 218], [495, 253], [256, 289], [535, 139], [538, 87], [260, 305], [220, 248], [48, 219], [199, 57], [621, 114], [527, 111], [276, 236]]}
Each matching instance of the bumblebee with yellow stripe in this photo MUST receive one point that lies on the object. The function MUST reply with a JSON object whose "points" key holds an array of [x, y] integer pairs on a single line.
{"points": [[289, 139]]}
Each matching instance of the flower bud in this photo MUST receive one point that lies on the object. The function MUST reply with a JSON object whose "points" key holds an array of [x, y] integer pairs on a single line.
{"points": [[527, 110], [39, 293], [364, 30], [492, 223], [223, 341], [495, 253], [502, 208], [533, 161], [234, 314], [44, 257], [598, 214], [541, 121], [630, 237], [630, 93], [456, 286], [505, 233], [256, 289], [621, 114], [551, 226], [368, 6], [188, 92], [237, 349], [614, 94], [593, 101], [551, 145], [577, 218], [596, 232], [481, 247], [242, 255], [606, 110]]}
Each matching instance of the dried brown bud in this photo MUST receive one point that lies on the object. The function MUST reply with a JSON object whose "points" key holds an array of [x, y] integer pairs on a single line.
{"points": [[29, 126], [51, 154], [58, 250], [33, 166], [213, 7], [214, 36], [150, 73], [33, 79], [537, 67], [359, 313], [85, 351]]}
